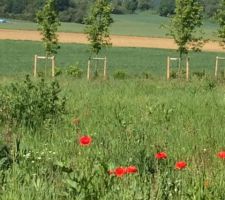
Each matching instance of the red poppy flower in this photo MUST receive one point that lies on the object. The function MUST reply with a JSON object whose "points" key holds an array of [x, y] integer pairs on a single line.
{"points": [[85, 140], [131, 170], [120, 171], [221, 155], [161, 155], [180, 165]]}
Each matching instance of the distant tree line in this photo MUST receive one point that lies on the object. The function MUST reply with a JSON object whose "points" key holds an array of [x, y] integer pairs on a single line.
{"points": [[167, 7], [76, 10]]}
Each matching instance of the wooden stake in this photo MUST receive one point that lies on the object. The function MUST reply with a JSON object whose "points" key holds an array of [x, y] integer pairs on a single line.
{"points": [[216, 67], [105, 68], [35, 66], [53, 66], [168, 69], [88, 70], [187, 68]]}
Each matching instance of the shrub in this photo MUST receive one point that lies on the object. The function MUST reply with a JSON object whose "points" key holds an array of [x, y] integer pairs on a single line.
{"points": [[5, 157], [75, 71], [177, 74], [199, 75], [147, 75], [210, 84], [58, 71], [31, 103], [121, 75]]}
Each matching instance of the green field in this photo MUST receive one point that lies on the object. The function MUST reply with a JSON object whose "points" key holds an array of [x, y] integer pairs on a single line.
{"points": [[140, 24], [16, 58]]}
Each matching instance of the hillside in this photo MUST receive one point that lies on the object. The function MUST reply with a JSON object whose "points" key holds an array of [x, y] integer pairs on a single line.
{"points": [[76, 10], [139, 24]]}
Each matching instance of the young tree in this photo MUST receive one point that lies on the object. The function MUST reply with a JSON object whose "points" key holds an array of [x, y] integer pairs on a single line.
{"points": [[97, 25], [221, 21], [48, 21], [185, 24]]}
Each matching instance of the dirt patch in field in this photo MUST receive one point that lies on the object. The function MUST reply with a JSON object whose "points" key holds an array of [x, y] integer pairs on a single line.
{"points": [[119, 41]]}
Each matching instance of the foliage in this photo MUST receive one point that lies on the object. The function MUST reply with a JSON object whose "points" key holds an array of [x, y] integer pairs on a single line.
{"points": [[97, 25], [58, 71], [210, 7], [74, 71], [5, 157], [31, 104], [48, 21], [184, 25], [145, 4], [221, 22], [199, 74], [130, 5], [76, 10], [121, 75], [166, 7]]}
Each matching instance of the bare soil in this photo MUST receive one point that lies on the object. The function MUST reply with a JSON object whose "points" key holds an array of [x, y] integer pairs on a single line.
{"points": [[118, 41]]}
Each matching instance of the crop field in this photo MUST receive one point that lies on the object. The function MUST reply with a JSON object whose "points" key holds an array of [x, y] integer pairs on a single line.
{"points": [[133, 61], [140, 24]]}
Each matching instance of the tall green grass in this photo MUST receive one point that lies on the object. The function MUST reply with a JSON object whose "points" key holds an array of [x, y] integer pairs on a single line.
{"points": [[129, 121]]}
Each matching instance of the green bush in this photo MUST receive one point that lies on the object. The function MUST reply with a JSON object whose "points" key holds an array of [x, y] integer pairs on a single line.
{"points": [[75, 71], [177, 74], [147, 75], [31, 103], [58, 71], [200, 74], [5, 157], [121, 75]]}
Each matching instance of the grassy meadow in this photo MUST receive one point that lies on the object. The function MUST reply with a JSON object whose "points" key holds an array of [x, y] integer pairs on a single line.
{"points": [[129, 122], [139, 24]]}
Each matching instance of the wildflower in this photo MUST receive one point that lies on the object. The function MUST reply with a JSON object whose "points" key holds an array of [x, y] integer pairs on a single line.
{"points": [[85, 140], [161, 155], [180, 165], [131, 170], [120, 171], [221, 155]]}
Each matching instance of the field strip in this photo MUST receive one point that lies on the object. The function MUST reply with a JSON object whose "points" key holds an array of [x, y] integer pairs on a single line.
{"points": [[118, 41]]}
